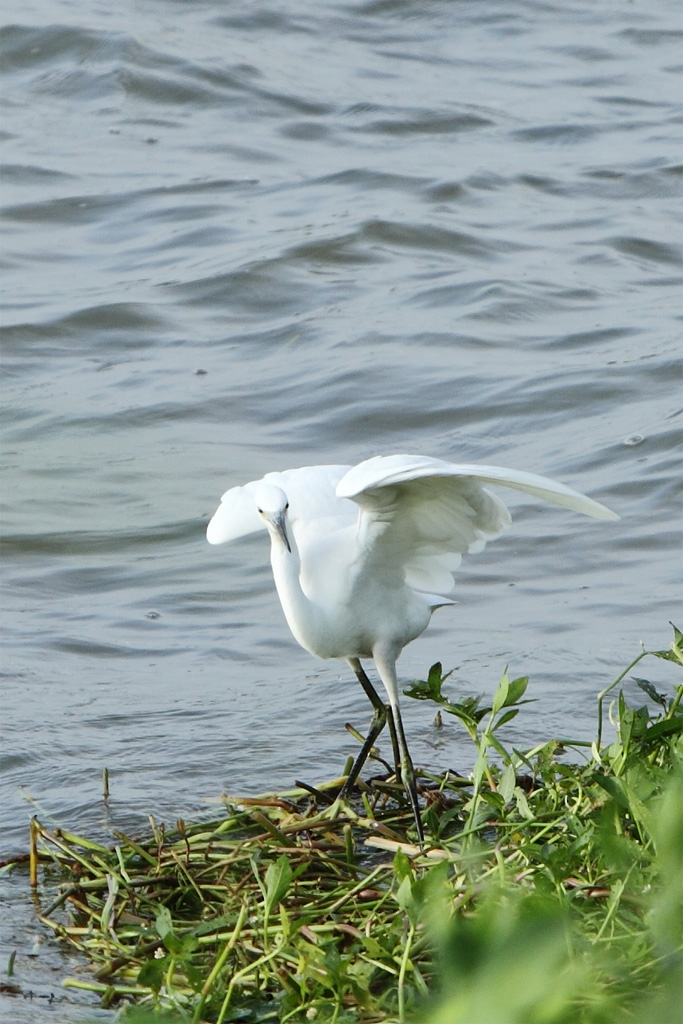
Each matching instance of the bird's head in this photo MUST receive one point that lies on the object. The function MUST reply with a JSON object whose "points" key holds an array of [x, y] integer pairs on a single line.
{"points": [[272, 505]]}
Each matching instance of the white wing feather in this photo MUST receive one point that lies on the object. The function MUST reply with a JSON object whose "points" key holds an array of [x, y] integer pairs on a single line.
{"points": [[393, 469], [420, 515], [311, 494]]}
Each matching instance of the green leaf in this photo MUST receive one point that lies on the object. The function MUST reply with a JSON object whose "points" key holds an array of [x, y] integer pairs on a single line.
{"points": [[614, 788], [188, 944], [669, 727], [501, 694], [636, 807], [372, 946], [421, 690], [649, 689], [523, 804], [285, 922], [507, 717], [467, 710], [278, 880], [180, 946], [506, 783], [626, 717], [641, 722], [406, 899], [429, 688], [151, 974], [223, 921], [480, 766], [516, 689], [164, 922], [675, 652], [435, 676], [498, 746], [402, 866]]}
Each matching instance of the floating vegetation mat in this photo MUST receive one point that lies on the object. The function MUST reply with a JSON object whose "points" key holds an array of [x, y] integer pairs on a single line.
{"points": [[272, 902], [549, 891]]}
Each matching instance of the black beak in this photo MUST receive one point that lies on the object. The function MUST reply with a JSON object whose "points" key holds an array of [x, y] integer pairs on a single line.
{"points": [[280, 523]]}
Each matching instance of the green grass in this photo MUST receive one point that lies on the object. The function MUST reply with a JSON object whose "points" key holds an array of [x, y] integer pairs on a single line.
{"points": [[551, 893]]}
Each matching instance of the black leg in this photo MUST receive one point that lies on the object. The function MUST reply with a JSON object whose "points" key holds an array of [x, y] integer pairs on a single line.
{"points": [[404, 765], [408, 775], [394, 741], [382, 712]]}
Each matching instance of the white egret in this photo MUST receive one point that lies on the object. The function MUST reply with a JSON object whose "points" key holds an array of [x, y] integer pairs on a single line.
{"points": [[362, 555]]}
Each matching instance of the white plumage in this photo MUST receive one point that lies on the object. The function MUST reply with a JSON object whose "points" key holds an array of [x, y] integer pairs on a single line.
{"points": [[362, 555]]}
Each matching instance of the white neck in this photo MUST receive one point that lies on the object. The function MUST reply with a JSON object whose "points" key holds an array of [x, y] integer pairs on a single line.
{"points": [[304, 617]]}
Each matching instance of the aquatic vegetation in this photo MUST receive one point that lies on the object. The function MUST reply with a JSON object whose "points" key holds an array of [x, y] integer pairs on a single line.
{"points": [[550, 891]]}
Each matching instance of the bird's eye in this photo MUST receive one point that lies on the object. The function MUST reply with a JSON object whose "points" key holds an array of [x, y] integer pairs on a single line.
{"points": [[286, 506], [260, 511]]}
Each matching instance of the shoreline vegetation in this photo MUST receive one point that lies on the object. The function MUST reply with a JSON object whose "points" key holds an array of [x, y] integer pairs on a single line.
{"points": [[550, 889]]}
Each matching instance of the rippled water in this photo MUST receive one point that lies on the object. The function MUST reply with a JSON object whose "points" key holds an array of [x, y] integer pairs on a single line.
{"points": [[240, 237]]}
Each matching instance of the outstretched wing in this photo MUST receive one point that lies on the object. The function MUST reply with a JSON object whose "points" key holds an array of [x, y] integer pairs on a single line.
{"points": [[311, 494], [420, 515]]}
